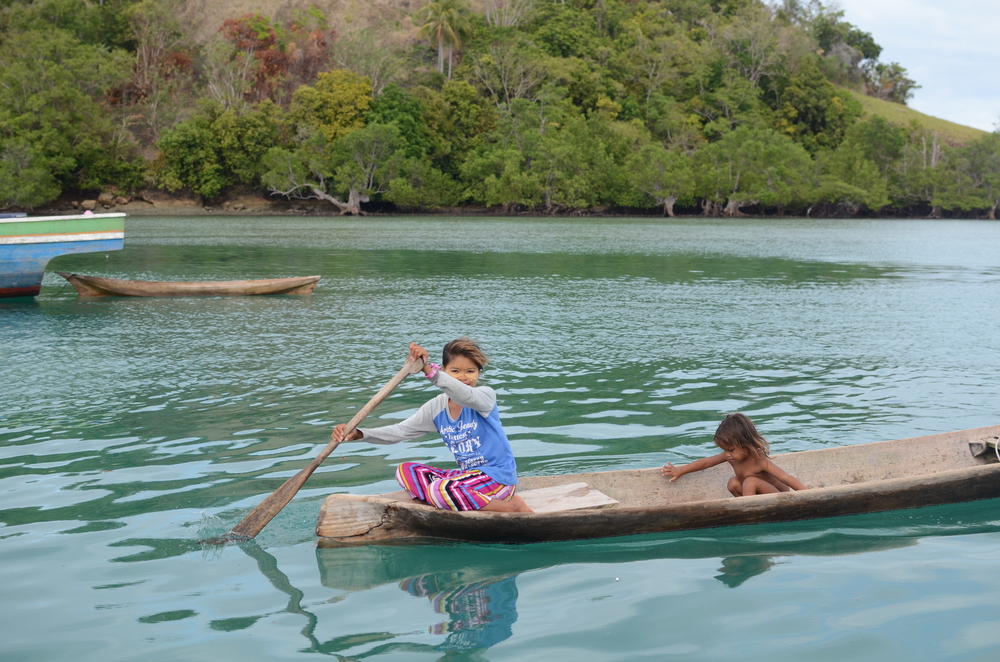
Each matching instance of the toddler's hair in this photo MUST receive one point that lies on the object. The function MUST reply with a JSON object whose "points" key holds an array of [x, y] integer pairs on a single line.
{"points": [[738, 431], [466, 347]]}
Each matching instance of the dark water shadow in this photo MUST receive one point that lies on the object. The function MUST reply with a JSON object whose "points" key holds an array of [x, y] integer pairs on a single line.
{"points": [[199, 261], [19, 304]]}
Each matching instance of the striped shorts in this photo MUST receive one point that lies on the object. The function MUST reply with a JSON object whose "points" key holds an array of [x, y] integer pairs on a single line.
{"points": [[451, 489]]}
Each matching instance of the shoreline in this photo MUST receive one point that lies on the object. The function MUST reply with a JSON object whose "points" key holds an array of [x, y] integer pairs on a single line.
{"points": [[159, 203]]}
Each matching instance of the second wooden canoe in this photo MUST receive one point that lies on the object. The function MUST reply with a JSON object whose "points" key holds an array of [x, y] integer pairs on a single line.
{"points": [[847, 480], [94, 286]]}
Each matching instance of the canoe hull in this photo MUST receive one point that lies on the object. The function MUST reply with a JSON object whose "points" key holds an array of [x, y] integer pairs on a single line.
{"points": [[27, 245], [93, 286], [391, 519]]}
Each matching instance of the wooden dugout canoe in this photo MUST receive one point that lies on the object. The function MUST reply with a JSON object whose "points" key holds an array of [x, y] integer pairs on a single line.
{"points": [[888, 475], [93, 286]]}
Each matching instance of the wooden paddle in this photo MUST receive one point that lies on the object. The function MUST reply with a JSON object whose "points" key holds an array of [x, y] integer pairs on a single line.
{"points": [[272, 505]]}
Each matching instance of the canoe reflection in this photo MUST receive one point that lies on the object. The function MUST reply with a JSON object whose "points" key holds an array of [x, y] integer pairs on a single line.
{"points": [[480, 614], [744, 552], [737, 569], [364, 567], [474, 586]]}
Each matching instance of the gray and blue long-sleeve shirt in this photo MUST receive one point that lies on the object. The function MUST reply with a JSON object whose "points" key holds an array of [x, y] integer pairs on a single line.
{"points": [[476, 438]]}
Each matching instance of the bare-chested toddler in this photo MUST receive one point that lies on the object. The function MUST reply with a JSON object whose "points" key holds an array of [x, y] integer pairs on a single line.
{"points": [[747, 452]]}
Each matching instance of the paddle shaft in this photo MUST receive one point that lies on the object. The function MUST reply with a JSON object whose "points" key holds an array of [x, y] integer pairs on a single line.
{"points": [[272, 505]]}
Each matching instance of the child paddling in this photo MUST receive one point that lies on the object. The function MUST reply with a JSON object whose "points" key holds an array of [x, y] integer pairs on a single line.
{"points": [[467, 417], [746, 450]]}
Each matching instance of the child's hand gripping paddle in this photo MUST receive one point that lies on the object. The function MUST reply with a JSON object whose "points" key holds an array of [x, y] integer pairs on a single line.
{"points": [[272, 505]]}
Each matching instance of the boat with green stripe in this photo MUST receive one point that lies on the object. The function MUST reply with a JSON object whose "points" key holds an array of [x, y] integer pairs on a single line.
{"points": [[28, 243]]}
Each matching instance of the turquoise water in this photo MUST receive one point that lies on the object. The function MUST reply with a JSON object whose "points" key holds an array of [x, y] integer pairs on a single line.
{"points": [[132, 428]]}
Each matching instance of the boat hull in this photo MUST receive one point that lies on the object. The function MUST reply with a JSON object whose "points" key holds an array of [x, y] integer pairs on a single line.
{"points": [[848, 481], [93, 286], [28, 244]]}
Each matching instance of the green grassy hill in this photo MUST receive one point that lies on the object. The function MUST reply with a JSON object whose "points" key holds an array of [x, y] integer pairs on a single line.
{"points": [[202, 19], [954, 134]]}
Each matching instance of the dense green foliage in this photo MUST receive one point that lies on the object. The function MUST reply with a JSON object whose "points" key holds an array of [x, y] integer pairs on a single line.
{"points": [[51, 120], [560, 106], [219, 148]]}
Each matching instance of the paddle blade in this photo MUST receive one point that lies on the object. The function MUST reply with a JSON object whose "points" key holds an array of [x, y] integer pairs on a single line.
{"points": [[258, 518]]}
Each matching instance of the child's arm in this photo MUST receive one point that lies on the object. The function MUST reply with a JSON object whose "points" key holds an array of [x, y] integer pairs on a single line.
{"points": [[415, 426], [697, 465], [784, 477]]}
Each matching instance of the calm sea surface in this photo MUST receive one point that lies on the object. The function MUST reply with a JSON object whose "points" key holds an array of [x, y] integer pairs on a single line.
{"points": [[132, 428]]}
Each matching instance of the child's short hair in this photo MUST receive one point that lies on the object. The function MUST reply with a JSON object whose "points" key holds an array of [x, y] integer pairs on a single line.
{"points": [[466, 347], [738, 431]]}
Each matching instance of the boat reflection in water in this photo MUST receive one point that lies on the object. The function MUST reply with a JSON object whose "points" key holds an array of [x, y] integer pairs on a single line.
{"points": [[480, 614], [737, 569], [744, 552], [474, 589]]}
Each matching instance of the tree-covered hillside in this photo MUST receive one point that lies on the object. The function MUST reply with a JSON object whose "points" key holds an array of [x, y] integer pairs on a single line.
{"points": [[535, 105]]}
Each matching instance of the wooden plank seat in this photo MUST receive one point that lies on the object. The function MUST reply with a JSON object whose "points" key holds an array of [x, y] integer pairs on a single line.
{"points": [[572, 496]]}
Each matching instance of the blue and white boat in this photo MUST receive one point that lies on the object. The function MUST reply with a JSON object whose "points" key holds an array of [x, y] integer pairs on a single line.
{"points": [[27, 245]]}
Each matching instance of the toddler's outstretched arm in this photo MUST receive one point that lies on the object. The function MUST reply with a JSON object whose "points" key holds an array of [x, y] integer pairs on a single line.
{"points": [[698, 465], [785, 477]]}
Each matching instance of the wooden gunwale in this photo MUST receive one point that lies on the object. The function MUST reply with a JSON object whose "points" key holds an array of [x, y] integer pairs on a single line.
{"points": [[846, 480], [94, 286]]}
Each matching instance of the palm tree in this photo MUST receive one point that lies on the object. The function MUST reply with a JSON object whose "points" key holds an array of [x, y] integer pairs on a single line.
{"points": [[446, 21]]}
